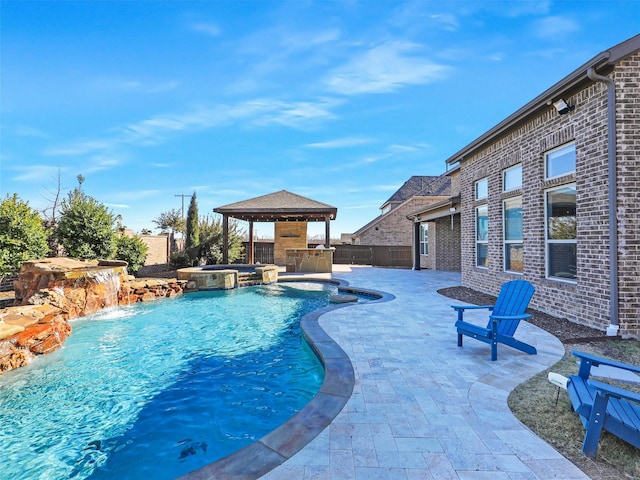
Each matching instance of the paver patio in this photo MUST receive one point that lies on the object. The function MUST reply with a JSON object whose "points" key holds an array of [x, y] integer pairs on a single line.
{"points": [[423, 408]]}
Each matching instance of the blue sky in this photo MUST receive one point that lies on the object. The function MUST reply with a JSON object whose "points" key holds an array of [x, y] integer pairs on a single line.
{"points": [[339, 101]]}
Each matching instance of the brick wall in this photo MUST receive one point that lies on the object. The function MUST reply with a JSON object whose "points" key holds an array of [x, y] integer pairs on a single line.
{"points": [[393, 228], [447, 249], [444, 245], [628, 155], [586, 300]]}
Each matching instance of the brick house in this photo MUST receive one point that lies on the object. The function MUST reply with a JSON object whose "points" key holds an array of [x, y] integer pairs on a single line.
{"points": [[550, 195], [436, 230], [392, 227]]}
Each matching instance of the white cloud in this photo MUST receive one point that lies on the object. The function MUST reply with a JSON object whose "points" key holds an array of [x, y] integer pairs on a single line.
{"points": [[550, 28], [402, 149], [101, 162], [446, 20], [383, 69], [158, 128], [342, 142], [207, 28], [25, 131], [111, 84], [80, 148], [32, 173]]}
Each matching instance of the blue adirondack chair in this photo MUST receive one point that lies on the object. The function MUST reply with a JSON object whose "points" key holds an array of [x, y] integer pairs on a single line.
{"points": [[604, 406], [504, 318]]}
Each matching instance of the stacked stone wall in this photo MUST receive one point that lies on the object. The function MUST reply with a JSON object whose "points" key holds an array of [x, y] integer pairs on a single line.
{"points": [[288, 235], [51, 292]]}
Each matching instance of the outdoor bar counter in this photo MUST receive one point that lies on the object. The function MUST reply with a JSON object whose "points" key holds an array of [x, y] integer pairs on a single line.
{"points": [[309, 260]]}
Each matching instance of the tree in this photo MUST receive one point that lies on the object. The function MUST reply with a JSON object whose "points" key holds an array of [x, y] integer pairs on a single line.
{"points": [[209, 250], [22, 235], [132, 250], [170, 220], [192, 238], [86, 226], [211, 244]]}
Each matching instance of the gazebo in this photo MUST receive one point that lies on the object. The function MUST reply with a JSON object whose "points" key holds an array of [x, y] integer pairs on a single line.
{"points": [[289, 212]]}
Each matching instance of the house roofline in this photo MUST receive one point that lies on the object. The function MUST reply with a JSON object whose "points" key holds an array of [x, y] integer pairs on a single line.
{"points": [[603, 60], [381, 217], [449, 202]]}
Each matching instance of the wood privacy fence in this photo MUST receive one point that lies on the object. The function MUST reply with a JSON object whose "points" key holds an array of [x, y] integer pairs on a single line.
{"points": [[375, 255]]}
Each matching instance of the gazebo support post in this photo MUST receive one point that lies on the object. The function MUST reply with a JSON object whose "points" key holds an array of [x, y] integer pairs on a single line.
{"points": [[225, 239], [252, 246], [327, 234]]}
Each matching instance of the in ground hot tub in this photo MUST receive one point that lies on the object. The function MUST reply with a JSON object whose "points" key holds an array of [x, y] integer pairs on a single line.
{"points": [[226, 277]]}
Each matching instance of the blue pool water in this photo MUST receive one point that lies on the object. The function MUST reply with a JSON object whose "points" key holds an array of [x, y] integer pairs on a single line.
{"points": [[157, 390]]}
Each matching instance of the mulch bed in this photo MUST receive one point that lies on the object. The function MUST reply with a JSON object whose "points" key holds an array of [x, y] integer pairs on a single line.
{"points": [[566, 331]]}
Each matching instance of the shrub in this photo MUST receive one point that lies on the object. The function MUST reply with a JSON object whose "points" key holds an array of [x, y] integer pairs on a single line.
{"points": [[22, 235], [132, 250]]}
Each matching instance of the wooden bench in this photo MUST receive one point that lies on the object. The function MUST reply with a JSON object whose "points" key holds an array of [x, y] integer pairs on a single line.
{"points": [[603, 406]]}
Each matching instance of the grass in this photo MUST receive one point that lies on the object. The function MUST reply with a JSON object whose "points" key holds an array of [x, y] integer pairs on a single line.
{"points": [[546, 410]]}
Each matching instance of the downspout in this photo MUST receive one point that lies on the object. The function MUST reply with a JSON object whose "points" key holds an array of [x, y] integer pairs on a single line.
{"points": [[612, 329]]}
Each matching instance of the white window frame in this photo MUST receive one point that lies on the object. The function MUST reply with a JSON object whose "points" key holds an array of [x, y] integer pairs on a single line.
{"points": [[507, 243], [506, 172], [476, 187], [548, 241], [424, 239], [478, 241], [551, 153]]}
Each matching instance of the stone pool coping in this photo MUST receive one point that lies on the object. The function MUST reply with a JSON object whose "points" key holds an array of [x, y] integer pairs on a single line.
{"points": [[270, 451]]}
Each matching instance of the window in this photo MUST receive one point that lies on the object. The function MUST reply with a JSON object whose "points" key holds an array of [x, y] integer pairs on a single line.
{"points": [[513, 252], [482, 189], [560, 161], [482, 236], [561, 232], [424, 239], [512, 178]]}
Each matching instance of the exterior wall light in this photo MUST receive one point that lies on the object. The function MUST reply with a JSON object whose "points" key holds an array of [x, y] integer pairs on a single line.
{"points": [[562, 107]]}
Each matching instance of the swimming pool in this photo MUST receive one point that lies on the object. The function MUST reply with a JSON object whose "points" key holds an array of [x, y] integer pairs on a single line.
{"points": [[157, 390]]}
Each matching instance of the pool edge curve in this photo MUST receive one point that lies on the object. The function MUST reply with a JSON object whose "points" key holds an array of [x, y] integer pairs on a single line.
{"points": [[260, 457]]}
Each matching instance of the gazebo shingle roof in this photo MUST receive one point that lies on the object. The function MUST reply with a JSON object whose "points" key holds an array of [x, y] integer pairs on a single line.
{"points": [[277, 207]]}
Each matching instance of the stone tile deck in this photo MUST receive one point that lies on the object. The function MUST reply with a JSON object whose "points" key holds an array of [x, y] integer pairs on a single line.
{"points": [[422, 408]]}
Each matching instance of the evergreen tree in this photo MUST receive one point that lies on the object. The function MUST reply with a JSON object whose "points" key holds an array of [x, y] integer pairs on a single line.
{"points": [[22, 235], [192, 238]]}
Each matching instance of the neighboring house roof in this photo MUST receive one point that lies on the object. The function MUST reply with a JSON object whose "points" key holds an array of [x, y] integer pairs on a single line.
{"points": [[439, 186], [601, 63], [277, 207], [421, 186]]}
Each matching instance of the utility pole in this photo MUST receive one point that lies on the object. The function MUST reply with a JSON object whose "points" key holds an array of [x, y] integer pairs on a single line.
{"points": [[182, 195]]}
